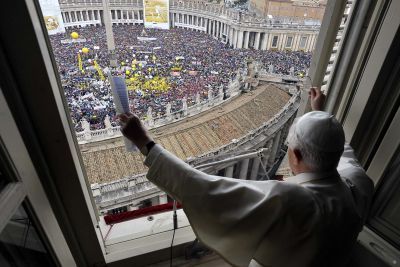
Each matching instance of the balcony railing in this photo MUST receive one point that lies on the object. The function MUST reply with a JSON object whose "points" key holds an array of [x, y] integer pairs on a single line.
{"points": [[113, 132]]}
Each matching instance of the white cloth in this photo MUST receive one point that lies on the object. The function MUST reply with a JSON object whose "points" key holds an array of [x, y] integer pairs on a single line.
{"points": [[309, 220]]}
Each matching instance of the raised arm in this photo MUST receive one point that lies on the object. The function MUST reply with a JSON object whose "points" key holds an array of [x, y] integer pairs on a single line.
{"points": [[214, 205]]}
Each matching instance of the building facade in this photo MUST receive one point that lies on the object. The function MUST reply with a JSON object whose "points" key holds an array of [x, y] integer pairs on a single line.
{"points": [[296, 9], [233, 27]]}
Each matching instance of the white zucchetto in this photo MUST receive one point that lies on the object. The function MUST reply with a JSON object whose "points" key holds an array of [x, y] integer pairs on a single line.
{"points": [[321, 131]]}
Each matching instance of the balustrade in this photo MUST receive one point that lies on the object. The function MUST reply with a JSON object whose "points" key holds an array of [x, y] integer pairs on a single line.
{"points": [[113, 132]]}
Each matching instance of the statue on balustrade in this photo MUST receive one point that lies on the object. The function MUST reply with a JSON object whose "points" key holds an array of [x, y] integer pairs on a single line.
{"points": [[198, 98], [271, 68], [210, 94], [184, 106], [150, 120], [107, 122], [291, 71], [168, 111]]}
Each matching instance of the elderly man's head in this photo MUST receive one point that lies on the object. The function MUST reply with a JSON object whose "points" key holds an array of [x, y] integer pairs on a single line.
{"points": [[316, 142]]}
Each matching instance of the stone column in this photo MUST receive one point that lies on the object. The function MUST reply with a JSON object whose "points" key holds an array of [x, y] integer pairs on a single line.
{"points": [[246, 39], [240, 39], [282, 40], [254, 168], [235, 38], [215, 29], [264, 42], [229, 171], [244, 166], [268, 153], [257, 41], [230, 35], [275, 147]]}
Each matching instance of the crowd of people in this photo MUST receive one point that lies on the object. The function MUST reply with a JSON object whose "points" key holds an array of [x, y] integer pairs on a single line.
{"points": [[178, 63]]}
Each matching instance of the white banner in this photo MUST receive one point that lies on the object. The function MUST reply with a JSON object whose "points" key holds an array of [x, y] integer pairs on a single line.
{"points": [[52, 16], [69, 41], [156, 14], [144, 39]]}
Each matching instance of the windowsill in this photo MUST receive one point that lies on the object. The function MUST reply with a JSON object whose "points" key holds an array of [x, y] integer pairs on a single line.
{"points": [[140, 236]]}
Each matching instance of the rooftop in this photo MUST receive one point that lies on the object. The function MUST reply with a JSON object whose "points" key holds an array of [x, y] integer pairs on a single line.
{"points": [[107, 160]]}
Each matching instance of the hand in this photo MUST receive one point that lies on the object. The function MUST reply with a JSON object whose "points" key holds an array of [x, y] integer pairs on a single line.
{"points": [[317, 98], [134, 130]]}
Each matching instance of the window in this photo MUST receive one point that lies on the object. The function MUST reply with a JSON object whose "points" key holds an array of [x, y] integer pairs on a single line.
{"points": [[303, 41], [65, 168], [274, 41], [289, 41], [386, 212], [24, 228]]}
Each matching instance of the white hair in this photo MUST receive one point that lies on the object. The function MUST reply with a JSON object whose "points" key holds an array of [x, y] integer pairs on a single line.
{"points": [[315, 159]]}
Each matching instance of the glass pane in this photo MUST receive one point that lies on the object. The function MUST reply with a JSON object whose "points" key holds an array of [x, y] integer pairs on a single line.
{"points": [[20, 244], [391, 213], [386, 207], [3, 180]]}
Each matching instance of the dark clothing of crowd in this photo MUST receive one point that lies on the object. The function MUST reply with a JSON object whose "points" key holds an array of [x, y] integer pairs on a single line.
{"points": [[205, 63]]}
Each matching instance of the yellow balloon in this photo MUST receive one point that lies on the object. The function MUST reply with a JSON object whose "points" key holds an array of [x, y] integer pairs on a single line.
{"points": [[85, 50], [127, 72], [74, 35], [123, 63]]}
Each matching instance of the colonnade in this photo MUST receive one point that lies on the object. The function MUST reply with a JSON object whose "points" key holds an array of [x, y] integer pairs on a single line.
{"points": [[229, 30]]}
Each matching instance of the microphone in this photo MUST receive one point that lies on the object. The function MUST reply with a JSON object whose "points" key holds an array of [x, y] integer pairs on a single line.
{"points": [[175, 216]]}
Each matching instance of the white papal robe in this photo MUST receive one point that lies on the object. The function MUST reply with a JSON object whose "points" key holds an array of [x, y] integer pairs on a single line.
{"points": [[311, 219]]}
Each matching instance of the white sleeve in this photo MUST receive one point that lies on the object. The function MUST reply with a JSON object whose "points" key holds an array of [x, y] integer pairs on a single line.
{"points": [[223, 212], [357, 180]]}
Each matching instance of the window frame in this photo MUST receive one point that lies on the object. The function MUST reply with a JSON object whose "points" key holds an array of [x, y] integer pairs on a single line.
{"points": [[272, 41], [305, 42], [25, 189], [74, 223], [291, 41]]}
